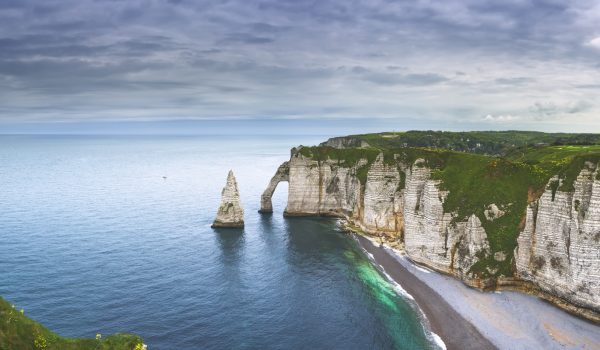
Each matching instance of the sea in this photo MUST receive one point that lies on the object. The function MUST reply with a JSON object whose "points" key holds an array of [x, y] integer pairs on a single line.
{"points": [[108, 234]]}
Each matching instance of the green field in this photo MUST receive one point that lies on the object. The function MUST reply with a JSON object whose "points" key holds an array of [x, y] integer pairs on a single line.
{"points": [[497, 143], [19, 332]]}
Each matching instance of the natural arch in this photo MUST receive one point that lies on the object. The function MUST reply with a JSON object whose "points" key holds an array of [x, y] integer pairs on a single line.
{"points": [[282, 174]]}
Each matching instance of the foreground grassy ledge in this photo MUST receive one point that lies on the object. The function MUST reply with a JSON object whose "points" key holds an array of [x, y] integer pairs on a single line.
{"points": [[19, 332]]}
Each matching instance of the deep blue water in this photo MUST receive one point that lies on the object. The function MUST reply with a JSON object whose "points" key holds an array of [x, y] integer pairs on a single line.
{"points": [[94, 240]]}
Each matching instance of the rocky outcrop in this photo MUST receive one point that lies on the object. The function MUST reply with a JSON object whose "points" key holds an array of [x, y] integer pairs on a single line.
{"points": [[230, 213], [493, 212], [559, 248], [345, 142], [322, 187]]}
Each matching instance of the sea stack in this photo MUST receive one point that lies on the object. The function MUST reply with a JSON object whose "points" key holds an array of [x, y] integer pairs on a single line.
{"points": [[230, 213]]}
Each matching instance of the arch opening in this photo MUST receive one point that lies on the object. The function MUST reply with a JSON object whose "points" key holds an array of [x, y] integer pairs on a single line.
{"points": [[282, 174]]}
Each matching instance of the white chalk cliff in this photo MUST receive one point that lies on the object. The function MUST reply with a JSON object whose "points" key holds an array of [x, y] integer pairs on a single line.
{"points": [[558, 251], [559, 248], [230, 213]]}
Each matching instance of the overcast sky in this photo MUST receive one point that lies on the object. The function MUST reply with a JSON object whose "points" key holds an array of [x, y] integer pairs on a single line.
{"points": [[502, 64]]}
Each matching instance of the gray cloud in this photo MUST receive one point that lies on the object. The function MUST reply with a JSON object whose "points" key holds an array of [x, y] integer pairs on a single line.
{"points": [[514, 81], [548, 110], [415, 79], [453, 60], [245, 38], [579, 107]]}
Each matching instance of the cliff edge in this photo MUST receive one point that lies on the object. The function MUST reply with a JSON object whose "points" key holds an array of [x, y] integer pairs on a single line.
{"points": [[527, 220], [18, 331]]}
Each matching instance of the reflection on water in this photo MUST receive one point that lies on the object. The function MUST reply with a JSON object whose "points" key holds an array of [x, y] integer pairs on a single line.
{"points": [[231, 242]]}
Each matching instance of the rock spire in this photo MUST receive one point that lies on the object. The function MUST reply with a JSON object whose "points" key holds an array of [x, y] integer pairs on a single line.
{"points": [[230, 213]]}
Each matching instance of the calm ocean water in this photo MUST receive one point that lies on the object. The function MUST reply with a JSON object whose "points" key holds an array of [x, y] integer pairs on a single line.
{"points": [[94, 240]]}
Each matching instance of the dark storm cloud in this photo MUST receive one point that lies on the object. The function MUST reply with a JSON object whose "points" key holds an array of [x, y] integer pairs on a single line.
{"points": [[298, 58]]}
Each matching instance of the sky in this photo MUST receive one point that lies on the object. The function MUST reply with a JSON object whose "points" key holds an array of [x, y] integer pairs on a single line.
{"points": [[359, 65]]}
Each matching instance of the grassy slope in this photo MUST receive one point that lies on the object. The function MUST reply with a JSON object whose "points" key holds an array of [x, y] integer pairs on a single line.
{"points": [[480, 142], [565, 161], [20, 332], [475, 181]]}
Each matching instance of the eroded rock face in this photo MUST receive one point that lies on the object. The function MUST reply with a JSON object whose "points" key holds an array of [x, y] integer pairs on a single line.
{"points": [[383, 200], [427, 238], [230, 213], [345, 142], [472, 244], [321, 188], [431, 236], [559, 248]]}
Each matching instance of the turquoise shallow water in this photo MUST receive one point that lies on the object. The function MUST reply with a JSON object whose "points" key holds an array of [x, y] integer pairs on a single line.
{"points": [[95, 240]]}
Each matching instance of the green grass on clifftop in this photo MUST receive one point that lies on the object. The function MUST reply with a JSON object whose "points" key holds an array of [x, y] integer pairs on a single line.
{"points": [[347, 157], [566, 161], [19, 332], [480, 142]]}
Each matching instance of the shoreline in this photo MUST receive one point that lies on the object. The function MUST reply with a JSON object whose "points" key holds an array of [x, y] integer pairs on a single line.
{"points": [[455, 331], [462, 315], [502, 284]]}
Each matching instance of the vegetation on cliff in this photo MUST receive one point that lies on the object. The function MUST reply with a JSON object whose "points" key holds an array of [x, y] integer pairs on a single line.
{"points": [[518, 172], [17, 331], [566, 161], [347, 157]]}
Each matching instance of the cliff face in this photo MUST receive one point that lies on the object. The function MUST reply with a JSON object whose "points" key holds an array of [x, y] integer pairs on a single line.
{"points": [[383, 200], [322, 187], [345, 142], [559, 248], [557, 251], [431, 236]]}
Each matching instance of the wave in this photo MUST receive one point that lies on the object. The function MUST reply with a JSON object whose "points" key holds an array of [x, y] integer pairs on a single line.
{"points": [[438, 341], [432, 336]]}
